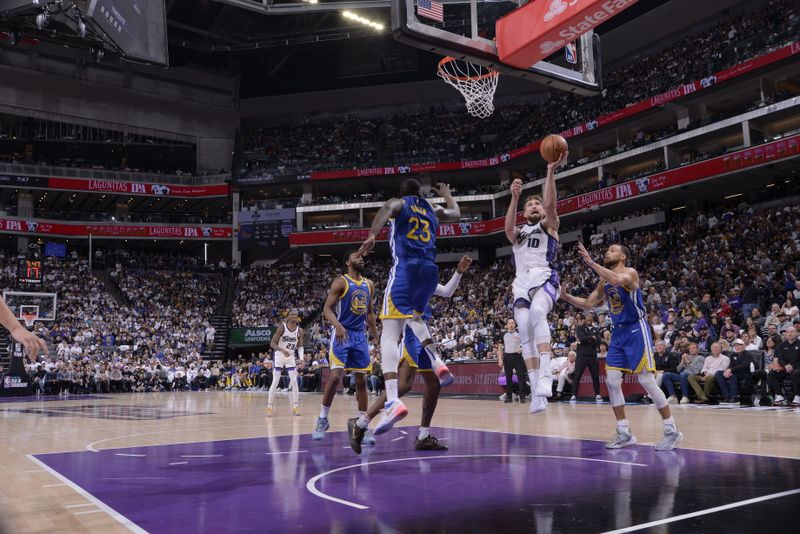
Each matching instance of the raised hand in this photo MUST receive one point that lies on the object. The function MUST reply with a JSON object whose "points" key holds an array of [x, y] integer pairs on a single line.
{"points": [[367, 246], [587, 258], [553, 166], [516, 188], [464, 264]]}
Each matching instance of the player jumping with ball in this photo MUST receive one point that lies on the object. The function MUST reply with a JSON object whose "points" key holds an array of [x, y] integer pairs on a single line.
{"points": [[535, 246]]}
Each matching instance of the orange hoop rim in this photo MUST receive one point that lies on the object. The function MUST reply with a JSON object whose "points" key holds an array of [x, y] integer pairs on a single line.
{"points": [[449, 59]]}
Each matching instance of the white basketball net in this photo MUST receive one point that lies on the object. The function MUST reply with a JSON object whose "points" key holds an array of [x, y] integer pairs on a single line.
{"points": [[476, 83]]}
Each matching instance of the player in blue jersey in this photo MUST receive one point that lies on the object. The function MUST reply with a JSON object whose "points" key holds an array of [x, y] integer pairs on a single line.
{"points": [[414, 358], [412, 281], [631, 348], [349, 308]]}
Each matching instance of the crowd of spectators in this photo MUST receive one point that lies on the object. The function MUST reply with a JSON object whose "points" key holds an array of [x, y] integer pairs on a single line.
{"points": [[161, 322], [442, 134]]}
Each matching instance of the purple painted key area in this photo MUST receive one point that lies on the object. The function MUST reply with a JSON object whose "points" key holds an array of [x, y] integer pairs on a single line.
{"points": [[486, 482]]}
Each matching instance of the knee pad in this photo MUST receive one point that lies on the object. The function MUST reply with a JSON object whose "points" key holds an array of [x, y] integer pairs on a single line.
{"points": [[614, 385]]}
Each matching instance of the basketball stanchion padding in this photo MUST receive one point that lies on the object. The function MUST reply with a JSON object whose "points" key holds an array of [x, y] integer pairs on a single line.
{"points": [[476, 83], [535, 31]]}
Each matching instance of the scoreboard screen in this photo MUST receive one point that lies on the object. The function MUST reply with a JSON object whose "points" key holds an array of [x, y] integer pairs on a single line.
{"points": [[270, 234], [30, 271]]}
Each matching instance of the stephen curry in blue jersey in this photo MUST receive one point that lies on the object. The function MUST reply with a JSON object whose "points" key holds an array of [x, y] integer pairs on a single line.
{"points": [[631, 349], [412, 282]]}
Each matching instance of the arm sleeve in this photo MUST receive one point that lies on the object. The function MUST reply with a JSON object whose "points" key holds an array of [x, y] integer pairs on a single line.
{"points": [[447, 290]]}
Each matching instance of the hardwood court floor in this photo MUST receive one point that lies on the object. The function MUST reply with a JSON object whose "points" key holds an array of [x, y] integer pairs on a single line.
{"points": [[200, 462]]}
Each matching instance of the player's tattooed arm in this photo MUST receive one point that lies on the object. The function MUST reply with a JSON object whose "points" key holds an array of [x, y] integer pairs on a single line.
{"points": [[451, 213], [390, 209], [512, 232], [337, 290], [593, 300], [550, 195]]}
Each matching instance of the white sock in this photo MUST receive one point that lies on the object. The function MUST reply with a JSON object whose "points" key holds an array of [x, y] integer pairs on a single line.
{"points": [[323, 411], [669, 424], [544, 363], [533, 376], [391, 390], [360, 413], [624, 425], [363, 421], [424, 432]]}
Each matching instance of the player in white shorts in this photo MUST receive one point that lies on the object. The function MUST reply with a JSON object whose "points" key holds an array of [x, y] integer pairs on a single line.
{"points": [[536, 286], [287, 343]]}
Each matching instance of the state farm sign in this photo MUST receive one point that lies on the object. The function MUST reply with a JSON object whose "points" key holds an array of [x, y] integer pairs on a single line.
{"points": [[531, 33]]}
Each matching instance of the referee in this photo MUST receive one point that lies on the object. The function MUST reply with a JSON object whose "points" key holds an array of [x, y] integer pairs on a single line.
{"points": [[510, 359]]}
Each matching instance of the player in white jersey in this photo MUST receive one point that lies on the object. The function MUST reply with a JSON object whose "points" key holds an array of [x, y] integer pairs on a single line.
{"points": [[535, 246], [287, 343]]}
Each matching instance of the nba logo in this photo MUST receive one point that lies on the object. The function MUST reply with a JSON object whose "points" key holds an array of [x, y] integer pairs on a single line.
{"points": [[571, 51]]}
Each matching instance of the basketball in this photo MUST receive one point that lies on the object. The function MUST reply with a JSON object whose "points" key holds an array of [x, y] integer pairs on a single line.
{"points": [[552, 147]]}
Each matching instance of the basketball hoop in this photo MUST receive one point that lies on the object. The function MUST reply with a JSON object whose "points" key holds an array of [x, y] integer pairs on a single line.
{"points": [[477, 84], [29, 318]]}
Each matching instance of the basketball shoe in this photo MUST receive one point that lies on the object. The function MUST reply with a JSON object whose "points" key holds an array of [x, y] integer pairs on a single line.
{"points": [[393, 412]]}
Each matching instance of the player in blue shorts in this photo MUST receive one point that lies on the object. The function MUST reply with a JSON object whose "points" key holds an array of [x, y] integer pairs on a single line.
{"points": [[631, 348], [414, 223], [349, 308], [415, 358]]}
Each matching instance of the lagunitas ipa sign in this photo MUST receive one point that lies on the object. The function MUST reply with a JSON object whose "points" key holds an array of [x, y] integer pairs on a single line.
{"points": [[533, 32]]}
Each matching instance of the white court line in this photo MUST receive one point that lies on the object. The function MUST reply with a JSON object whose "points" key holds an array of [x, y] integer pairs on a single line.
{"points": [[89, 512], [130, 525], [289, 452], [201, 455], [80, 505], [132, 455], [311, 485], [705, 512], [398, 438], [404, 432], [178, 463], [53, 485]]}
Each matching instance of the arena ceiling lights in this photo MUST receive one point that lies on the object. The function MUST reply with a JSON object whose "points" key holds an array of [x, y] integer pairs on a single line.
{"points": [[358, 18]]}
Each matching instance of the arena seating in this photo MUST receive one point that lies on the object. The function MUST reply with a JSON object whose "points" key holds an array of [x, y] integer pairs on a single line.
{"points": [[438, 134]]}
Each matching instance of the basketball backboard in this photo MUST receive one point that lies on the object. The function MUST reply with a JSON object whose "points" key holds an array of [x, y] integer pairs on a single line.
{"points": [[24, 304], [467, 32]]}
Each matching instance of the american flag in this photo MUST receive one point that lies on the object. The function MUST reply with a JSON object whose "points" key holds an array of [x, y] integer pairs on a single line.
{"points": [[430, 9]]}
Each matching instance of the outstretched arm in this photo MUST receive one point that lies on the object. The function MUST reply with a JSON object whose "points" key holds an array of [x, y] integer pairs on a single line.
{"points": [[511, 214], [550, 196], [447, 290], [594, 299], [628, 278], [390, 209], [452, 212]]}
